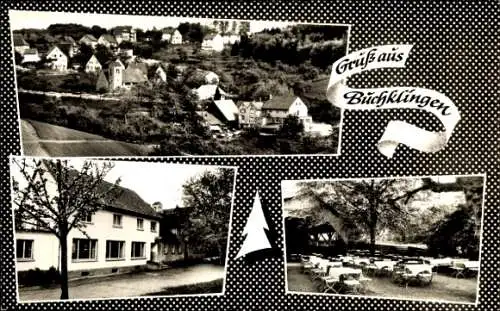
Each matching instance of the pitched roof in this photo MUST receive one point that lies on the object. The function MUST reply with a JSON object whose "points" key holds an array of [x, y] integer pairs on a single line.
{"points": [[141, 66], [134, 75], [209, 118], [19, 40], [68, 39], [55, 47], [115, 63], [227, 108], [209, 37], [257, 105], [88, 38], [207, 91], [279, 102], [31, 52], [128, 201], [93, 58], [108, 38], [121, 29]]}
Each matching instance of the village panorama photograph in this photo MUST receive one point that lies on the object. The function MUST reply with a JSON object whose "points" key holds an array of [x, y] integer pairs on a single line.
{"points": [[396, 238], [88, 229], [111, 85]]}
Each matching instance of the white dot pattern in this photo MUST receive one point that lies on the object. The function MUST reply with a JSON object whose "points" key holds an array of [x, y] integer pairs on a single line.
{"points": [[455, 52]]}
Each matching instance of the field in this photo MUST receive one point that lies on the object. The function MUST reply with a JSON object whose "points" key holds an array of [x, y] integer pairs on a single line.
{"points": [[44, 139]]}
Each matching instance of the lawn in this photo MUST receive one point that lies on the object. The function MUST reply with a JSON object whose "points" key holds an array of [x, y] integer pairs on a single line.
{"points": [[44, 139], [55, 132]]}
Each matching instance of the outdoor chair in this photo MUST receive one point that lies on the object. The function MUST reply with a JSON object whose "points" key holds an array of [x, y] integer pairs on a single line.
{"points": [[344, 280], [407, 273], [472, 268], [458, 269], [312, 263], [321, 270]]}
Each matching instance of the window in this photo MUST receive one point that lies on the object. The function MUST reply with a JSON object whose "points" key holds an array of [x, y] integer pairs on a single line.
{"points": [[115, 250], [24, 249], [138, 250], [88, 218], [140, 224], [153, 226], [84, 249], [117, 220]]}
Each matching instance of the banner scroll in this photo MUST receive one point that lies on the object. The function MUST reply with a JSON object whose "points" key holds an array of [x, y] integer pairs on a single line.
{"points": [[397, 132]]}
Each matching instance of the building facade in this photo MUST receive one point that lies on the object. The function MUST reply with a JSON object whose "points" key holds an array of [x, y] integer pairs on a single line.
{"points": [[120, 236], [117, 242], [57, 59], [93, 65], [176, 37], [250, 114], [278, 108], [213, 43]]}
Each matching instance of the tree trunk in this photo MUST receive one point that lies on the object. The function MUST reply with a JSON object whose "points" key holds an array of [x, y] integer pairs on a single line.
{"points": [[372, 240], [186, 253], [64, 266]]}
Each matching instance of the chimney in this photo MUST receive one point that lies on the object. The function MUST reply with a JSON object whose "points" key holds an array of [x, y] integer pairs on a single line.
{"points": [[157, 206]]}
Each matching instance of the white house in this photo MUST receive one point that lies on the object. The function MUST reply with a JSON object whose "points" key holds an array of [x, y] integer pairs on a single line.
{"points": [[213, 43], [107, 40], [210, 91], [161, 73], [122, 236], [57, 59], [275, 110], [166, 36], [250, 113], [231, 39], [93, 65], [89, 40], [176, 37], [31, 56]]}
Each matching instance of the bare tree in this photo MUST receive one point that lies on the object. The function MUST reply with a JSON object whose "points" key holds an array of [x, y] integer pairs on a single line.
{"points": [[58, 198]]}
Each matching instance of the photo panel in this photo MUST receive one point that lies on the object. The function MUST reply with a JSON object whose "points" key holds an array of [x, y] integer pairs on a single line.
{"points": [[101, 229], [411, 238], [113, 85]]}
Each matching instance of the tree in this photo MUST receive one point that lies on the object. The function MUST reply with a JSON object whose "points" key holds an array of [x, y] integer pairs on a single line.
{"points": [[78, 194], [369, 204], [18, 58], [292, 127], [373, 204], [207, 199]]}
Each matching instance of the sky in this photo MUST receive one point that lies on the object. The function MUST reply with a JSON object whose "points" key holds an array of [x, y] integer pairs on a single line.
{"points": [[151, 181], [42, 19]]}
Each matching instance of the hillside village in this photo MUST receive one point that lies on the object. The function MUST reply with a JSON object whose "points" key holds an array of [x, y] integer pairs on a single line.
{"points": [[231, 84]]}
